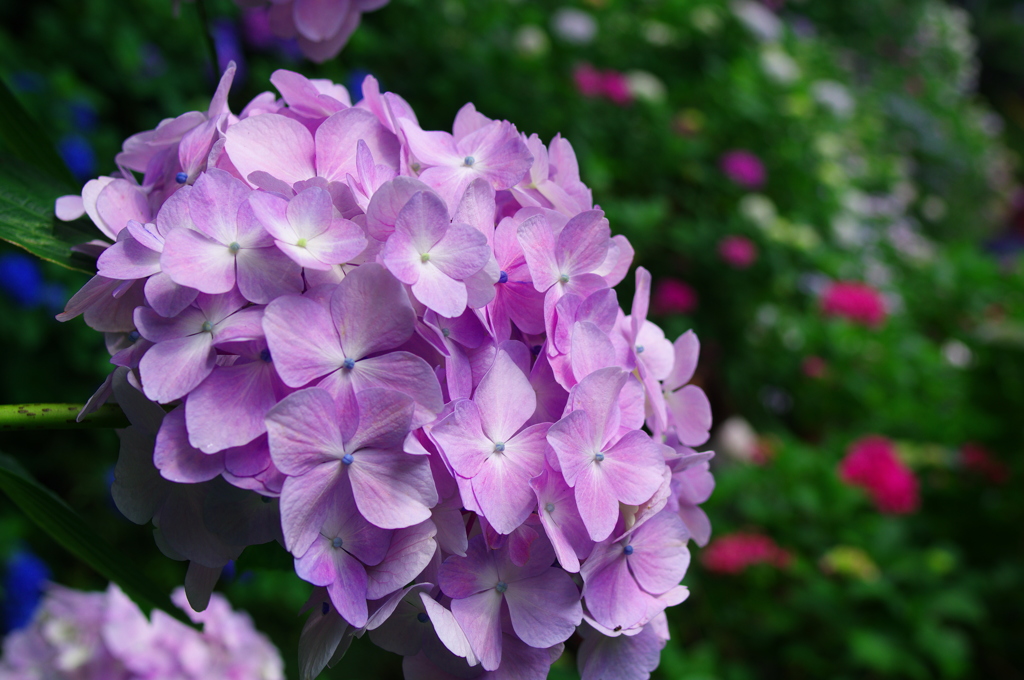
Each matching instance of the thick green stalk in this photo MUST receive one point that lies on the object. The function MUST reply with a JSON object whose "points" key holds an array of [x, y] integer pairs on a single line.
{"points": [[58, 417]]}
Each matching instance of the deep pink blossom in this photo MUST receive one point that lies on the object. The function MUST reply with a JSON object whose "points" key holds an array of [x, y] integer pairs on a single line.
{"points": [[743, 168], [872, 464], [672, 296], [732, 554], [979, 460], [855, 301], [738, 251]]}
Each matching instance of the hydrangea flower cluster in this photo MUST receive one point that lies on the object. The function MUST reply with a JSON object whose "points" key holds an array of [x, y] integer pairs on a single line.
{"points": [[321, 27], [105, 636], [407, 343]]}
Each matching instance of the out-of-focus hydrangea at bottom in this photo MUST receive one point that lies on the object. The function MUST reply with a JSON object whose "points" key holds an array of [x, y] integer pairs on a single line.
{"points": [[105, 636]]}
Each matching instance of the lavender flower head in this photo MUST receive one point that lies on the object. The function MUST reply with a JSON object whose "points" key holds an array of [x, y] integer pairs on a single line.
{"points": [[398, 353], [105, 636]]}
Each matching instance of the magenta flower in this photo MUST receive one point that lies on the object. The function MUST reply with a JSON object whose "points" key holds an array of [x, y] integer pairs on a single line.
{"points": [[872, 464], [543, 602], [743, 168], [603, 467], [855, 301], [323, 448], [484, 441], [738, 252], [979, 460], [672, 296], [734, 553]]}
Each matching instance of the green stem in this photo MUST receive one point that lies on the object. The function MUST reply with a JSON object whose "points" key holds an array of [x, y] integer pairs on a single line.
{"points": [[58, 417]]}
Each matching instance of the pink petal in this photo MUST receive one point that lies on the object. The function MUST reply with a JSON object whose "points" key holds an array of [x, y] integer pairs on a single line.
{"points": [[410, 551], [641, 300], [175, 457], [634, 467], [386, 204], [318, 20], [173, 368], [461, 252], [128, 259], [194, 260], [502, 485], [461, 439], [337, 142], [660, 558], [686, 353], [392, 489], [303, 432], [538, 243], [229, 407], [302, 338], [305, 503], [265, 274], [214, 202], [545, 609], [166, 297], [273, 143], [479, 617], [439, 292], [691, 414], [505, 398], [583, 243], [371, 311]]}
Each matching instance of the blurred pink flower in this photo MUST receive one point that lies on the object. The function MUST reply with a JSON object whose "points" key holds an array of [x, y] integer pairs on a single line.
{"points": [[609, 84], [672, 296], [977, 459], [738, 251], [855, 301], [732, 554], [871, 463], [814, 367], [743, 168], [616, 88]]}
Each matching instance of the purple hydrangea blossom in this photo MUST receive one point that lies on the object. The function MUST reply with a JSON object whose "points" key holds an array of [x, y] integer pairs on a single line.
{"points": [[105, 636], [409, 369]]}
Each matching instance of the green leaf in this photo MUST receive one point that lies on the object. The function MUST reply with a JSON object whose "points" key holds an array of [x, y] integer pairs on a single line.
{"points": [[26, 215], [27, 140], [67, 528]]}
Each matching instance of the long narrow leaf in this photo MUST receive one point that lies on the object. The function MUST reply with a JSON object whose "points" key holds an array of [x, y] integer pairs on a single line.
{"points": [[27, 140], [26, 214], [65, 526]]}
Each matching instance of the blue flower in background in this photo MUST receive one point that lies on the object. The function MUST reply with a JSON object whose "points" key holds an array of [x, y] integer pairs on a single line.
{"points": [[27, 81], [355, 83], [83, 116], [79, 156], [22, 280], [24, 579], [228, 43]]}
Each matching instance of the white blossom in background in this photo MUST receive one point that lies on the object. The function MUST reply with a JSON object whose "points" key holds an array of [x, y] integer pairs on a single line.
{"points": [[531, 41], [758, 19], [835, 96], [574, 26], [645, 86], [778, 65]]}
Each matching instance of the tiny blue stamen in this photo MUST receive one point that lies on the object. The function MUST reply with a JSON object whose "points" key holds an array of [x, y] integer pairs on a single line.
{"points": [[501, 586], [349, 363], [535, 350], [550, 507], [207, 327], [503, 277], [325, 609], [446, 332], [564, 278], [181, 177], [234, 247], [639, 349], [499, 447], [628, 550], [598, 457], [336, 542], [265, 355], [468, 161], [133, 336], [422, 617], [347, 459]]}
